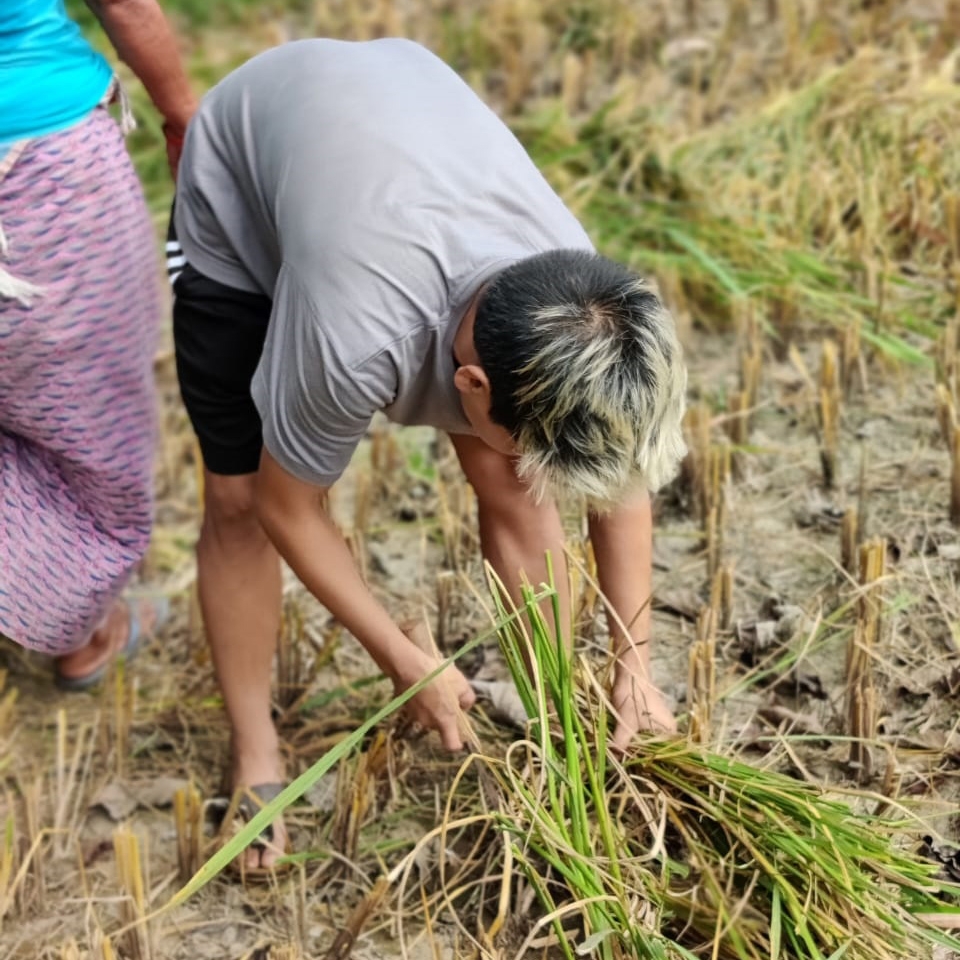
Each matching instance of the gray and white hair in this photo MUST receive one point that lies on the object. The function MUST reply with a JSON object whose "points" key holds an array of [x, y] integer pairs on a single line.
{"points": [[586, 373]]}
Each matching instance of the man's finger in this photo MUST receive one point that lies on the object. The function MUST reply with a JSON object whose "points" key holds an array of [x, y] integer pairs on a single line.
{"points": [[450, 737], [467, 698], [621, 738]]}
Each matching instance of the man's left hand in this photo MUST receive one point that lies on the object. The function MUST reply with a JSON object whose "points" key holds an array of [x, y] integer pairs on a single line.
{"points": [[641, 708]]}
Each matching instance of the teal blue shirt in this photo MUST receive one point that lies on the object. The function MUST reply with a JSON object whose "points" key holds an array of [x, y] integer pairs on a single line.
{"points": [[50, 77]]}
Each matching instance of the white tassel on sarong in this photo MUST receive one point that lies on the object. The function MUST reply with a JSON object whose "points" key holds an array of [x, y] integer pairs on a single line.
{"points": [[10, 287]]}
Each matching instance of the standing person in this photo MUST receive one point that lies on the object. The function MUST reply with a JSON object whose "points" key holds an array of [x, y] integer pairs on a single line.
{"points": [[79, 307], [362, 233]]}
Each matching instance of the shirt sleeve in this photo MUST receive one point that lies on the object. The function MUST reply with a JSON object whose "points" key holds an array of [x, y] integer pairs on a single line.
{"points": [[315, 409]]}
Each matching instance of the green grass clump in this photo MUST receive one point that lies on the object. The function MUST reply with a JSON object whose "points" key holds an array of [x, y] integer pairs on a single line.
{"points": [[680, 851]]}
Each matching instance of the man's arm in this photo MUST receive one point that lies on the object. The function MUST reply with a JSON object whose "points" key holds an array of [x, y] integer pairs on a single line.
{"points": [[144, 41], [623, 547], [293, 515], [516, 531]]}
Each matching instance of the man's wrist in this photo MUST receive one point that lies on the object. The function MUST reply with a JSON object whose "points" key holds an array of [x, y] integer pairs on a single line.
{"points": [[404, 663]]}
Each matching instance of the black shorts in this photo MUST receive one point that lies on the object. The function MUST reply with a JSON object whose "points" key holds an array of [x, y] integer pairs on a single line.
{"points": [[218, 335]]}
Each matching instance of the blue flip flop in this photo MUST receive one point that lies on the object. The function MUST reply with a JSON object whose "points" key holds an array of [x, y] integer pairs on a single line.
{"points": [[161, 608]]}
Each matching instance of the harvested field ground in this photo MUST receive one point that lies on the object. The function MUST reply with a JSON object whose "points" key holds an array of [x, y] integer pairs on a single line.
{"points": [[747, 119]]}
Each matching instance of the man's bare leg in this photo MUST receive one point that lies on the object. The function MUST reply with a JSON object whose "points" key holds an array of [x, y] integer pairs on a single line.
{"points": [[623, 546], [239, 581], [515, 531]]}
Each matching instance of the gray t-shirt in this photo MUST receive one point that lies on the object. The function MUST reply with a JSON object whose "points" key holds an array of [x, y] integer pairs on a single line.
{"points": [[370, 193]]}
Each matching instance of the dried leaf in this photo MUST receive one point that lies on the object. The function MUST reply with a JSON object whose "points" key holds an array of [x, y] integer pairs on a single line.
{"points": [[776, 624], [97, 851], [681, 601], [587, 948], [158, 791], [756, 638], [819, 513], [119, 800], [503, 701], [115, 800], [778, 715], [949, 551], [948, 856], [322, 796], [801, 683]]}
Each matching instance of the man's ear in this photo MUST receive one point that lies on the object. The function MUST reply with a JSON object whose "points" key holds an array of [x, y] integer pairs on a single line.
{"points": [[471, 378]]}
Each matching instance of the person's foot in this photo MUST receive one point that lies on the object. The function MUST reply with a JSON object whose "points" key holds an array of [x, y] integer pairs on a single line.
{"points": [[640, 707], [252, 769], [117, 634]]}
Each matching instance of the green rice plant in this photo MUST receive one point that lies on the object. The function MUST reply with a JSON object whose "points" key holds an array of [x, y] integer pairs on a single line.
{"points": [[821, 878], [565, 837], [678, 850]]}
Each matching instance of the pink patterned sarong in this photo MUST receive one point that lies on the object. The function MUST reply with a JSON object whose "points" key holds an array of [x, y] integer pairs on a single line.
{"points": [[76, 387]]}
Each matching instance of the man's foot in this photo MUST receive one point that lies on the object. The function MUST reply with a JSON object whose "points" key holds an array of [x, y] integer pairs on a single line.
{"points": [[120, 632], [640, 707], [257, 777], [260, 859]]}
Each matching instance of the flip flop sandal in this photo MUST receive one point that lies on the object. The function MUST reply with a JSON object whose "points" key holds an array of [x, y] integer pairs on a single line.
{"points": [[242, 807], [135, 638]]}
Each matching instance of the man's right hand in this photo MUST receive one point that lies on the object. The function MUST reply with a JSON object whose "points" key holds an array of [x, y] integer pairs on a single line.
{"points": [[292, 513], [439, 705]]}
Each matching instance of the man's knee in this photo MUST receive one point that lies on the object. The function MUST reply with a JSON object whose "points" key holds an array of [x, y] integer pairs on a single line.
{"points": [[230, 505], [505, 499], [490, 473], [497, 486]]}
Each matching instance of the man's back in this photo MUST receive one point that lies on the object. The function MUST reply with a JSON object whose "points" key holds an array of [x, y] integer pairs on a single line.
{"points": [[331, 152], [369, 193]]}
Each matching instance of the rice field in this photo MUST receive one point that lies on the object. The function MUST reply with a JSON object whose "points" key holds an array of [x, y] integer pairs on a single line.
{"points": [[787, 172]]}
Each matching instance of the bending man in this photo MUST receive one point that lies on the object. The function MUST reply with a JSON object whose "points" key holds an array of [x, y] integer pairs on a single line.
{"points": [[361, 233]]}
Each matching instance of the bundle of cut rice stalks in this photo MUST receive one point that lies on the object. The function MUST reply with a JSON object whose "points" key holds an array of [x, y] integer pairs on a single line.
{"points": [[679, 851], [675, 851]]}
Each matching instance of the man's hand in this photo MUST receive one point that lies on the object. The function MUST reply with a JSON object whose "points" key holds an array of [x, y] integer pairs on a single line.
{"points": [[622, 542], [294, 516], [640, 708], [439, 705]]}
